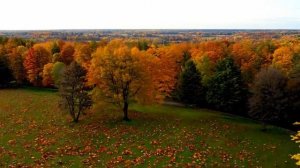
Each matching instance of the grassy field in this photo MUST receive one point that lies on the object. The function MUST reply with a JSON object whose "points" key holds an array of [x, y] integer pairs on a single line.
{"points": [[34, 132]]}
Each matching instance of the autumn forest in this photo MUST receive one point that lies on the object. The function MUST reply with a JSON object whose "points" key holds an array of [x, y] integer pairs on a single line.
{"points": [[220, 102]]}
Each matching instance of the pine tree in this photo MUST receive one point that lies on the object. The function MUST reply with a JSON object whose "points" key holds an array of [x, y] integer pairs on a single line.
{"points": [[6, 74], [190, 88], [226, 90]]}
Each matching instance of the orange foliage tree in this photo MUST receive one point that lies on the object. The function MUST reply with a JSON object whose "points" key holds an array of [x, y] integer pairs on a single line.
{"points": [[243, 52], [245, 57], [168, 59], [34, 62], [67, 53], [83, 55]]}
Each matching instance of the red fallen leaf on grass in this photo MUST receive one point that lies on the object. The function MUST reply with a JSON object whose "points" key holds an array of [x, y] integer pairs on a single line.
{"points": [[138, 160], [190, 165], [224, 156], [48, 155], [191, 147], [12, 142], [154, 142], [203, 144], [87, 149], [12, 154], [1, 150], [43, 141], [87, 161], [127, 163], [24, 110], [119, 158], [197, 155], [32, 125], [27, 146], [158, 151], [127, 152], [19, 121], [225, 126], [102, 149], [93, 155], [172, 160], [141, 147]]}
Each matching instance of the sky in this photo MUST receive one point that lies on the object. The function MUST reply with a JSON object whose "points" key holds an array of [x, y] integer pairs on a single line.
{"points": [[149, 14]]}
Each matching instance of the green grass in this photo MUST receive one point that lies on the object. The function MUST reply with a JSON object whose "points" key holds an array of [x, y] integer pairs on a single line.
{"points": [[35, 132]]}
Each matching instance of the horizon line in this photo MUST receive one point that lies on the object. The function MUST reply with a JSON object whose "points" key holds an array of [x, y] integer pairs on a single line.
{"points": [[149, 29]]}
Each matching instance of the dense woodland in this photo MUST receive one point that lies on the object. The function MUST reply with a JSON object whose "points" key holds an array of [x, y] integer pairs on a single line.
{"points": [[255, 78]]}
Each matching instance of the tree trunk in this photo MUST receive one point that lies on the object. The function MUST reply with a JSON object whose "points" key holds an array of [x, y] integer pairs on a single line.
{"points": [[77, 118], [125, 110]]}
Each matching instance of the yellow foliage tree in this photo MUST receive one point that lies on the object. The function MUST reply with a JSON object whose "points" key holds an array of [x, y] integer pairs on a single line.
{"points": [[47, 75], [121, 73], [83, 54], [282, 58]]}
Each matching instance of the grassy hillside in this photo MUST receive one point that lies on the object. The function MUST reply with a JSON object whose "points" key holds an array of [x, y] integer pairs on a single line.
{"points": [[34, 131]]}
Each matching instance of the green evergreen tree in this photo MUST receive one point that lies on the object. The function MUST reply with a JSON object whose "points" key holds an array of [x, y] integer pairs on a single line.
{"points": [[5, 72], [226, 90], [190, 88]]}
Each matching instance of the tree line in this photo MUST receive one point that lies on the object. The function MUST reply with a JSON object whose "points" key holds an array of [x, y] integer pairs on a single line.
{"points": [[257, 78]]}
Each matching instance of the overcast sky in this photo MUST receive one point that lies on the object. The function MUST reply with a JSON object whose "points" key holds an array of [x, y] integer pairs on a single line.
{"points": [[149, 14]]}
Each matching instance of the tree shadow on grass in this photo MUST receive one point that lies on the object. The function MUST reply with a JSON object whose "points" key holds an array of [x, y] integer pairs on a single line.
{"points": [[254, 125]]}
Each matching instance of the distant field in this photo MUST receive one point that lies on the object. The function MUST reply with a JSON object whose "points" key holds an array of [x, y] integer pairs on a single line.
{"points": [[35, 132]]}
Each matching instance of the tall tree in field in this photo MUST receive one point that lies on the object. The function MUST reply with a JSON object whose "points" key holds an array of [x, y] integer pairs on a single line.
{"points": [[121, 74], [226, 89], [71, 89], [34, 63], [190, 88], [269, 99]]}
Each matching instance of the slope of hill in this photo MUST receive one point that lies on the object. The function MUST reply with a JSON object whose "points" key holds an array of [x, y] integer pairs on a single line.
{"points": [[35, 132]]}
